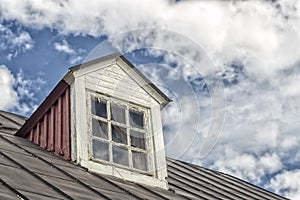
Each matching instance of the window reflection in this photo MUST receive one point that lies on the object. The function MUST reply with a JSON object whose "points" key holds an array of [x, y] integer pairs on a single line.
{"points": [[119, 134], [120, 155], [137, 139], [118, 113], [99, 107], [139, 160], [136, 118], [99, 129], [100, 150]]}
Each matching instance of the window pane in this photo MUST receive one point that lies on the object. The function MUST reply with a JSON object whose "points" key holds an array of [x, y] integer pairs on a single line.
{"points": [[99, 129], [140, 160], [119, 134], [100, 150], [120, 155], [137, 139], [99, 107], [136, 118], [118, 113]]}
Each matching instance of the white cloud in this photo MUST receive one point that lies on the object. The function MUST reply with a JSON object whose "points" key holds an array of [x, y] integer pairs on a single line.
{"points": [[262, 100], [19, 91], [287, 183], [64, 47], [9, 97], [14, 43], [74, 55], [27, 88]]}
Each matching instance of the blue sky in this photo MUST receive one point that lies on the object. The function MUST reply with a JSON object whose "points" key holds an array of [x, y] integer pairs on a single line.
{"points": [[232, 69]]}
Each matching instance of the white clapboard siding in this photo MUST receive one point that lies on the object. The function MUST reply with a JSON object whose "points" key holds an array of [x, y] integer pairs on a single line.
{"points": [[114, 81]]}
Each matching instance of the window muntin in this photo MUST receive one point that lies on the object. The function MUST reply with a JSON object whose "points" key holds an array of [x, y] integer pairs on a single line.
{"points": [[119, 133]]}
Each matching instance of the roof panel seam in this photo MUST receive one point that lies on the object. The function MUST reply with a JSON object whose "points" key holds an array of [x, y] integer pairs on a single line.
{"points": [[116, 185], [188, 191], [18, 194], [155, 193], [255, 191], [216, 195], [36, 176], [59, 169], [10, 119], [218, 189]]}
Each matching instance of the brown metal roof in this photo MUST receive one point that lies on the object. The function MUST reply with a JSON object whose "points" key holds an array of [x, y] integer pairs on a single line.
{"points": [[28, 171]]}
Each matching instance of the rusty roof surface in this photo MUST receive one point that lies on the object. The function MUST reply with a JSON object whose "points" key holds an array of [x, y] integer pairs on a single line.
{"points": [[28, 171]]}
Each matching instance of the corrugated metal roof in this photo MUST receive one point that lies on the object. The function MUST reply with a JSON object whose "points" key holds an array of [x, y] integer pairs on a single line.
{"points": [[28, 171]]}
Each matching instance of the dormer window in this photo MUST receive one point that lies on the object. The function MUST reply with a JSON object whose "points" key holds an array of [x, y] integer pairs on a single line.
{"points": [[119, 133]]}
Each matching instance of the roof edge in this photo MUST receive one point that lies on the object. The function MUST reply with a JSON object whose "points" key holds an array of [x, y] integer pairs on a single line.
{"points": [[154, 87], [69, 78], [96, 60], [42, 109]]}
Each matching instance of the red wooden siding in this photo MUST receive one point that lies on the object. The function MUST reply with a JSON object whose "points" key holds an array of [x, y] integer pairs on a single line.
{"points": [[52, 130]]}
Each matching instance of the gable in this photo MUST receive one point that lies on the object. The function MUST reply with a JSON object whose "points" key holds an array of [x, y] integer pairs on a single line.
{"points": [[122, 71], [113, 81]]}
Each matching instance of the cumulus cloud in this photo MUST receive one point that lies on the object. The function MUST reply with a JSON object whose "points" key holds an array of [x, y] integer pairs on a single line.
{"points": [[255, 42], [27, 87], [14, 43], [19, 91], [64, 47], [9, 97], [287, 183]]}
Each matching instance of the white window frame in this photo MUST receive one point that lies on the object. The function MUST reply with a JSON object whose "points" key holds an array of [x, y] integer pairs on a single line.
{"points": [[147, 130]]}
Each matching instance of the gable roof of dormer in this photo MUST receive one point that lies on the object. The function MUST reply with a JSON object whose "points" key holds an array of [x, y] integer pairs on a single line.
{"points": [[128, 67]]}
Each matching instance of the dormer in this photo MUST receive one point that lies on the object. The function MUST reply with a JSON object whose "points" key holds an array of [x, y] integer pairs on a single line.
{"points": [[105, 115]]}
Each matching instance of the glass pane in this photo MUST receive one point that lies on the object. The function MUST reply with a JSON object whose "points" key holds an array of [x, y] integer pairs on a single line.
{"points": [[99, 129], [118, 113], [119, 134], [99, 107], [120, 155], [136, 118], [140, 160], [100, 150], [137, 139]]}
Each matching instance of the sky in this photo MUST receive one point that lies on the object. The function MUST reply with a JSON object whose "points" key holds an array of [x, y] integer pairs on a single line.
{"points": [[232, 69]]}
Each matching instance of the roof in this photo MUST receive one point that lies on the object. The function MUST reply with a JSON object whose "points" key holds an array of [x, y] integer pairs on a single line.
{"points": [[28, 171]]}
